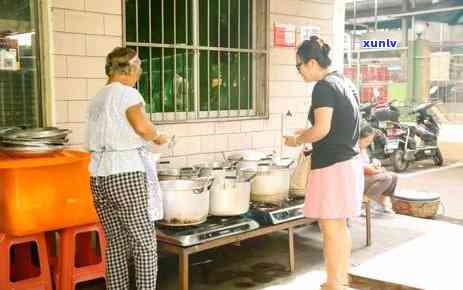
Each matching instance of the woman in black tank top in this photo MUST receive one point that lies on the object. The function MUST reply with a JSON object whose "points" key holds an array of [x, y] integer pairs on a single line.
{"points": [[335, 185]]}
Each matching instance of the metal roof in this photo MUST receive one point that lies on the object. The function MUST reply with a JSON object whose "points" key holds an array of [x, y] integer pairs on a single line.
{"points": [[390, 12]]}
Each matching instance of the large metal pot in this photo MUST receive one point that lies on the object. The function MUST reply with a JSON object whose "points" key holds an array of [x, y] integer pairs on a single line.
{"points": [[249, 160], [212, 169], [271, 184], [186, 202], [230, 195]]}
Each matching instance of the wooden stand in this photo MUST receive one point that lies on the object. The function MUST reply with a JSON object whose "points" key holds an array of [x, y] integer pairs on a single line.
{"points": [[183, 253]]}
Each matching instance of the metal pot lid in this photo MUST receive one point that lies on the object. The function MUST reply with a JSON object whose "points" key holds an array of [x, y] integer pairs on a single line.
{"points": [[412, 195]]}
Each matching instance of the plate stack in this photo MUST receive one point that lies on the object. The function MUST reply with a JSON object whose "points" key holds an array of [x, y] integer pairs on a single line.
{"points": [[32, 142]]}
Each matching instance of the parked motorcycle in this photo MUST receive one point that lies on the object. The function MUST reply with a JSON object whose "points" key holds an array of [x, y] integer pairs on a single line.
{"points": [[409, 143], [378, 119]]}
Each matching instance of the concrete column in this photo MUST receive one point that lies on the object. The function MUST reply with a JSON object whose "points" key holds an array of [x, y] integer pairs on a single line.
{"points": [[422, 75], [337, 53]]}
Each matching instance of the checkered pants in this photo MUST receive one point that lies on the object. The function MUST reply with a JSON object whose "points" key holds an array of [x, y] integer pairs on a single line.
{"points": [[121, 201]]}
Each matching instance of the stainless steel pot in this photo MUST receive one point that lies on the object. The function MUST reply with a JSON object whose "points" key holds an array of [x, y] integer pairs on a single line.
{"points": [[230, 195], [212, 169], [186, 202], [249, 160], [271, 183]]}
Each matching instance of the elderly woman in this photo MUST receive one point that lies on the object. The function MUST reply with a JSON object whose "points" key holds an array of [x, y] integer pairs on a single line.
{"points": [[335, 182], [380, 184], [117, 133]]}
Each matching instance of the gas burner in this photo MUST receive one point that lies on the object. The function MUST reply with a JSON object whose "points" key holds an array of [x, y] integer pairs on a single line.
{"points": [[265, 207], [267, 214], [213, 228]]}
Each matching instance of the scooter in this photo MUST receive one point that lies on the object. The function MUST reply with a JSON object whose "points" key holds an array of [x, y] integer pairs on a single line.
{"points": [[378, 119], [409, 143]]}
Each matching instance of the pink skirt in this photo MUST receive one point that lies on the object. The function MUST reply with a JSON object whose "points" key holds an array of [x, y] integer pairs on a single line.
{"points": [[336, 191]]}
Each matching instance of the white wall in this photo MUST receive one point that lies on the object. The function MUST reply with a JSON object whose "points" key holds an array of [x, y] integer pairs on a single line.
{"points": [[86, 30]]}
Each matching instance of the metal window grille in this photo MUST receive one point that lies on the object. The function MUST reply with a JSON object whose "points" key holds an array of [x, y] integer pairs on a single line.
{"points": [[202, 59]]}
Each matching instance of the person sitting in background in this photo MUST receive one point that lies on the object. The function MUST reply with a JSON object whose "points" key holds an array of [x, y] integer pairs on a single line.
{"points": [[379, 183]]}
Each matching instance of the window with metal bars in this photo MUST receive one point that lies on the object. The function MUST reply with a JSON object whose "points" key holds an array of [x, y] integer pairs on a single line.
{"points": [[201, 59]]}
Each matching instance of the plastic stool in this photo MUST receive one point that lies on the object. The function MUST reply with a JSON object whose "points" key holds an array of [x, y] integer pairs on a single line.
{"points": [[23, 265], [72, 269]]}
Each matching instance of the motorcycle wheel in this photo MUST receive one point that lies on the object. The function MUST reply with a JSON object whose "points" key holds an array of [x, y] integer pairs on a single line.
{"points": [[438, 158], [398, 161]]}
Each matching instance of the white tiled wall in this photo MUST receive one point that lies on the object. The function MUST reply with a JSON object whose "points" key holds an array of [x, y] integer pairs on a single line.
{"points": [[86, 30], [83, 33]]}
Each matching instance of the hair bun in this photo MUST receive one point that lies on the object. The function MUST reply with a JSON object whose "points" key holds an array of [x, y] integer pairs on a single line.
{"points": [[314, 38], [326, 49], [315, 48]]}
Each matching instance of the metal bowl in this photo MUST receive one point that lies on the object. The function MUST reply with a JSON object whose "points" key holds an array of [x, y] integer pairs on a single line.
{"points": [[8, 130], [38, 133], [18, 151]]}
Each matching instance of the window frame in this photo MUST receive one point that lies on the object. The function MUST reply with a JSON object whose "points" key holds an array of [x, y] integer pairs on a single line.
{"points": [[41, 21], [260, 108]]}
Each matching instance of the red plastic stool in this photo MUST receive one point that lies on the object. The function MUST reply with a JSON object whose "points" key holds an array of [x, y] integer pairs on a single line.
{"points": [[77, 260], [22, 274]]}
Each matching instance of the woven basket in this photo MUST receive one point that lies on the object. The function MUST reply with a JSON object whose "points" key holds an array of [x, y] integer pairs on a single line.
{"points": [[421, 209]]}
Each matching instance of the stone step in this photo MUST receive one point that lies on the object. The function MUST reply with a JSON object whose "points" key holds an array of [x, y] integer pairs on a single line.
{"points": [[363, 283]]}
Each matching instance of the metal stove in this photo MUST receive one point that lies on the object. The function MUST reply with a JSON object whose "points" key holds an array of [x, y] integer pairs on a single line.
{"points": [[214, 228], [272, 214]]}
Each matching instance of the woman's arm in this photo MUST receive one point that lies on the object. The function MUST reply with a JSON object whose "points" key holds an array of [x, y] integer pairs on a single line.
{"points": [[316, 133], [142, 126]]}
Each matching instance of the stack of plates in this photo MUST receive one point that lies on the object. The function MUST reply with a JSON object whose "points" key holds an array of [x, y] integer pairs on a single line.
{"points": [[35, 141]]}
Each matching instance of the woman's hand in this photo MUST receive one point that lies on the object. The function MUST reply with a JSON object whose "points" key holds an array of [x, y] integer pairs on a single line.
{"points": [[299, 132], [291, 141], [376, 163], [369, 169], [161, 140]]}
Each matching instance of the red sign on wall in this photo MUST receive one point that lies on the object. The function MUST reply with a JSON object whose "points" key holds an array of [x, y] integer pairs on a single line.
{"points": [[284, 35]]}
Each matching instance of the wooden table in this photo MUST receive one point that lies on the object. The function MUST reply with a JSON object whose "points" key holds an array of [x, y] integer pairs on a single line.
{"points": [[183, 253]]}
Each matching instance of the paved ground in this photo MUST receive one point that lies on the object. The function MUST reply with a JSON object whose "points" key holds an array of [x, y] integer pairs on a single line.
{"points": [[400, 245], [449, 183]]}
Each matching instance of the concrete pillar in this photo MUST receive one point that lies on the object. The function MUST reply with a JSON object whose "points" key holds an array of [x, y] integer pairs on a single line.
{"points": [[339, 8], [422, 72]]}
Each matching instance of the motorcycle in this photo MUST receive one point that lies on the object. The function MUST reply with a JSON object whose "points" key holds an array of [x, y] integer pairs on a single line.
{"points": [[378, 119], [409, 143]]}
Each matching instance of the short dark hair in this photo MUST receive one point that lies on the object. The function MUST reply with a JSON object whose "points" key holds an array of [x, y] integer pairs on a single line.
{"points": [[315, 48], [366, 130]]}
